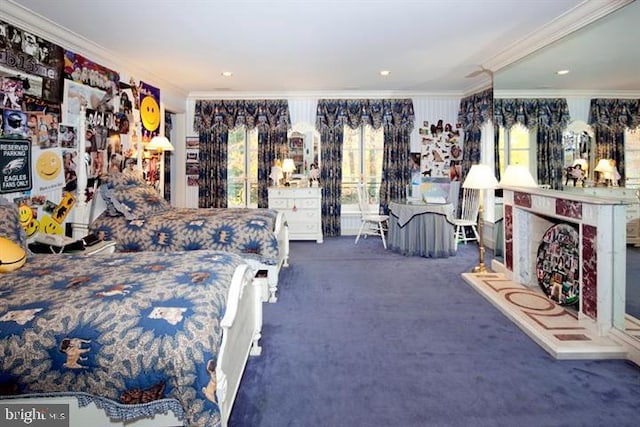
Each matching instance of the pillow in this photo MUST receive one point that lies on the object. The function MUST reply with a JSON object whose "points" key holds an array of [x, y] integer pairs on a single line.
{"points": [[119, 179], [12, 255], [10, 226], [137, 202]]}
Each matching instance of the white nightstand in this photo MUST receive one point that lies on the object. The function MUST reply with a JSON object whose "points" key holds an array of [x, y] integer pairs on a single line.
{"points": [[302, 210]]}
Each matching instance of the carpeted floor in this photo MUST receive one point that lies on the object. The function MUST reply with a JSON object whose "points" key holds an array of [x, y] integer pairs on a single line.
{"points": [[361, 336]]}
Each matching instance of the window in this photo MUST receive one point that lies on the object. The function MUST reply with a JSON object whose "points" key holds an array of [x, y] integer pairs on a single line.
{"points": [[632, 158], [362, 154], [515, 147], [242, 168]]}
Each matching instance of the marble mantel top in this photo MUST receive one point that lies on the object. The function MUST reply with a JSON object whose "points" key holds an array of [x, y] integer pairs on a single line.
{"points": [[570, 195]]}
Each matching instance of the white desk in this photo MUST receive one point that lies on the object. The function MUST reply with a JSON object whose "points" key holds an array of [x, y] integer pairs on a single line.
{"points": [[419, 229]]}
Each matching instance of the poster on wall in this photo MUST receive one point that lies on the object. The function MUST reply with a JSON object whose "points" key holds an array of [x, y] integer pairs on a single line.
{"points": [[81, 70], [149, 111], [33, 56], [441, 150], [15, 165], [48, 169]]}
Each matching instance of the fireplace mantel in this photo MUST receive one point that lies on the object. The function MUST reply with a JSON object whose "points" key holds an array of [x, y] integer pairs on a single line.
{"points": [[601, 224]]}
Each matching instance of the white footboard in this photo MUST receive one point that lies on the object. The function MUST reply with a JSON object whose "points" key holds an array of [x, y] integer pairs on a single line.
{"points": [[242, 328]]}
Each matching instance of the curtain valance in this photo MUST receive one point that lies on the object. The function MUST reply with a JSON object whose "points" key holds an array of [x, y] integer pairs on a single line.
{"points": [[336, 113], [475, 110], [531, 113], [266, 115], [615, 114]]}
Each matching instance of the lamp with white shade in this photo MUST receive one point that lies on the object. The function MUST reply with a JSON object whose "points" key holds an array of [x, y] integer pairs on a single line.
{"points": [[288, 166], [517, 176], [160, 144], [606, 170], [480, 177]]}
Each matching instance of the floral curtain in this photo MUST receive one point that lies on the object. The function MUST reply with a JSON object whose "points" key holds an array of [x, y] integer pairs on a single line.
{"points": [[475, 110], [214, 118], [609, 119], [549, 117], [397, 118]]}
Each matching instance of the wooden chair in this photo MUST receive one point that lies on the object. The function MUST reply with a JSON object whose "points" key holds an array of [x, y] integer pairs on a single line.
{"points": [[468, 217], [372, 224]]}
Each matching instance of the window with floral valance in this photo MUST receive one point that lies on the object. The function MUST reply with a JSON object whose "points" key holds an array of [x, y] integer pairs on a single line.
{"points": [[214, 118], [610, 118], [548, 117]]}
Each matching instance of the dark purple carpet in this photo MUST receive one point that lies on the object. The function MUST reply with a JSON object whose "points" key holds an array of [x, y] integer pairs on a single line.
{"points": [[365, 337]]}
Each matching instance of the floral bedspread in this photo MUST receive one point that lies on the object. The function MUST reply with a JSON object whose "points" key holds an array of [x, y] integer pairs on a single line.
{"points": [[248, 232], [138, 329]]}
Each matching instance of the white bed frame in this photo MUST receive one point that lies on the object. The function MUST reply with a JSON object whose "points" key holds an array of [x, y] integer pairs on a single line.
{"points": [[241, 330], [83, 214]]}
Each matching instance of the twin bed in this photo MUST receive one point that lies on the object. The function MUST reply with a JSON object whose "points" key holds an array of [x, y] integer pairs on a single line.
{"points": [[137, 218], [158, 330]]}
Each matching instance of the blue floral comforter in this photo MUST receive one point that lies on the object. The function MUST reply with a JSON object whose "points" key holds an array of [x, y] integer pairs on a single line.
{"points": [[248, 232], [139, 328]]}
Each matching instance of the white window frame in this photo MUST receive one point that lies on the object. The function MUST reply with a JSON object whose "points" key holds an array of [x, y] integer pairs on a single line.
{"points": [[248, 181], [349, 188], [506, 152]]}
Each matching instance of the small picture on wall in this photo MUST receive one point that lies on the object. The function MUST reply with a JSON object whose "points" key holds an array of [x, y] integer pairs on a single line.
{"points": [[192, 156], [193, 168], [193, 142], [67, 136], [192, 180]]}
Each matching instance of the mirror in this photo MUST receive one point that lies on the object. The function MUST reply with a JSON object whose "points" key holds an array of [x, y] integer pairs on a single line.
{"points": [[579, 159], [603, 61], [304, 149]]}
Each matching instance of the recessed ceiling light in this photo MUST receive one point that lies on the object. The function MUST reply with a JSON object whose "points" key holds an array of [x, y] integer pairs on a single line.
{"points": [[385, 72], [562, 72], [227, 74]]}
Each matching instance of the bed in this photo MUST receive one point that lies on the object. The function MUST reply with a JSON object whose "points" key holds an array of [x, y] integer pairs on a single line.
{"points": [[134, 334], [138, 219]]}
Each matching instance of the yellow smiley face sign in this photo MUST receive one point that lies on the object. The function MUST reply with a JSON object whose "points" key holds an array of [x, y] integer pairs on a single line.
{"points": [[150, 113], [48, 165]]}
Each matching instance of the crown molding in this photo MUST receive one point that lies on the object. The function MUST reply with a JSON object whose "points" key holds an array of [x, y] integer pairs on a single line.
{"points": [[583, 14], [204, 95], [43, 27], [554, 93]]}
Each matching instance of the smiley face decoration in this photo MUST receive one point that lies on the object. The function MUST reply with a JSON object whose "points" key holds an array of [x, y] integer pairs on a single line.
{"points": [[149, 111]]}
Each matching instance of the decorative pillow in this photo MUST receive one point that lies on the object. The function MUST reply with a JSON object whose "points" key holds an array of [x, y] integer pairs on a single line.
{"points": [[10, 223], [120, 179], [137, 202], [12, 255]]}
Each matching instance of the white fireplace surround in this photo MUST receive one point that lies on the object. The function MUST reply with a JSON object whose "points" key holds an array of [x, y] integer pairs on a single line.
{"points": [[529, 212]]}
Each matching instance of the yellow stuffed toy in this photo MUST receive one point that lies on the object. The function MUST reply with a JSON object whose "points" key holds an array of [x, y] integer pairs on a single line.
{"points": [[12, 255]]}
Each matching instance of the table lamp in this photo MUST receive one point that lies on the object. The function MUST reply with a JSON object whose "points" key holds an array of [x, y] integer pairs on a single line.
{"points": [[288, 166], [517, 176], [480, 177], [606, 171]]}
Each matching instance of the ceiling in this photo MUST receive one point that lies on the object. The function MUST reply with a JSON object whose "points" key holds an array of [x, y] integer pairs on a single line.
{"points": [[602, 56], [431, 46]]}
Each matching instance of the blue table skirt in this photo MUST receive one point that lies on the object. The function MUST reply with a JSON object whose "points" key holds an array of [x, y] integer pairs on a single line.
{"points": [[428, 235]]}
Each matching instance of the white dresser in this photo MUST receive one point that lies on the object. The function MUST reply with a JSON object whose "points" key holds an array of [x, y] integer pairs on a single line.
{"points": [[302, 210]]}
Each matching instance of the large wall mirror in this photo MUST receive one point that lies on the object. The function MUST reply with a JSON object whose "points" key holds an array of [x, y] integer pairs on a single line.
{"points": [[603, 62]]}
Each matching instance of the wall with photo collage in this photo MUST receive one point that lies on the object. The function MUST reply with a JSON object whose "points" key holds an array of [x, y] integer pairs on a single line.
{"points": [[439, 160], [43, 88]]}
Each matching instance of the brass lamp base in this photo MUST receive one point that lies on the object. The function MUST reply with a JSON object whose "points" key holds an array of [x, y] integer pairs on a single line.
{"points": [[480, 268]]}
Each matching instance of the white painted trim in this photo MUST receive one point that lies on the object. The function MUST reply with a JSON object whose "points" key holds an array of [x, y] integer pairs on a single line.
{"points": [[26, 19], [583, 14]]}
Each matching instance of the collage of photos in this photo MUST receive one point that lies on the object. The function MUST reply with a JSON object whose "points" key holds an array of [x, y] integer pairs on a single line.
{"points": [[557, 264], [441, 150]]}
